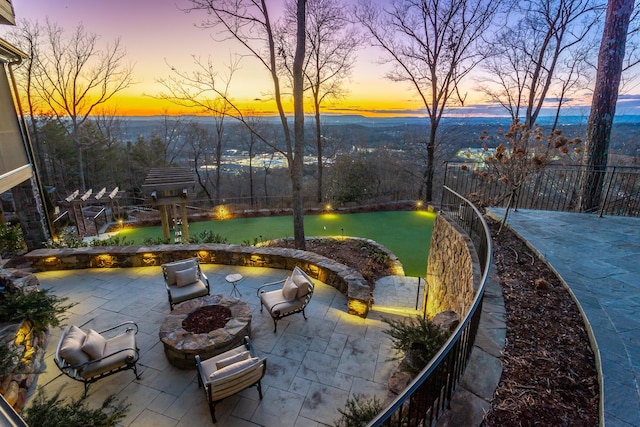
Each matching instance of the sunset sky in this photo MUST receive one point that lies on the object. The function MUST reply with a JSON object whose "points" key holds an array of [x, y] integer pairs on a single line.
{"points": [[157, 32]]}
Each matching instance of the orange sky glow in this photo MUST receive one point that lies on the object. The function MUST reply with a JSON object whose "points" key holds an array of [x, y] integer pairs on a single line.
{"points": [[158, 35]]}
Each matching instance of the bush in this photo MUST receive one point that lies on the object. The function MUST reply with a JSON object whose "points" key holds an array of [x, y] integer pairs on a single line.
{"points": [[40, 308], [66, 239], [11, 239], [207, 236], [153, 241], [358, 411], [419, 340], [54, 412], [112, 241]]}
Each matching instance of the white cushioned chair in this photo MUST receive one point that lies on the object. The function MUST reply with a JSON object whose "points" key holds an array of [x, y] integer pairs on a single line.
{"points": [[293, 296], [184, 280], [90, 356], [229, 373]]}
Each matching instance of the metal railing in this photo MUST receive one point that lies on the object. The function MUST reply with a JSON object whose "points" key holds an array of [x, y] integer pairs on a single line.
{"points": [[554, 188], [426, 397]]}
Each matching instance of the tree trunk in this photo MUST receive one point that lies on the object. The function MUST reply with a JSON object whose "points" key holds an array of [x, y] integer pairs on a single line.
{"points": [[319, 147], [296, 168], [428, 173], [76, 140], [603, 104]]}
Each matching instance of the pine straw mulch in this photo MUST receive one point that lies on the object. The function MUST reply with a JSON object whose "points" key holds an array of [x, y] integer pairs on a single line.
{"points": [[549, 375]]}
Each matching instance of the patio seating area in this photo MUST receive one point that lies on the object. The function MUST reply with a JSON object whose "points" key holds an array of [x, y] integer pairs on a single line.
{"points": [[314, 365]]}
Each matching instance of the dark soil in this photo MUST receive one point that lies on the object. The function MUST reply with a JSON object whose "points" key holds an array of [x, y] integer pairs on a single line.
{"points": [[207, 319]]}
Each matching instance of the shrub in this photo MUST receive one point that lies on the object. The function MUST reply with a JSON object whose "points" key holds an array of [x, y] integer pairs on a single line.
{"points": [[112, 241], [358, 411], [418, 339], [54, 412], [9, 359], [11, 240], [247, 242], [66, 239], [152, 241], [207, 236], [40, 308]]}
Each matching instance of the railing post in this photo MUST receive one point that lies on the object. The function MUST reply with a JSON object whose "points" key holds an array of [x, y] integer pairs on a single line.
{"points": [[603, 201]]}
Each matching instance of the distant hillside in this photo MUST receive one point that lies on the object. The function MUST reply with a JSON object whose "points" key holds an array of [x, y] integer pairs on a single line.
{"points": [[349, 131]]}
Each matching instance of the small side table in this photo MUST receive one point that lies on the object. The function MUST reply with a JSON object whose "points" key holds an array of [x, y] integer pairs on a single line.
{"points": [[234, 279]]}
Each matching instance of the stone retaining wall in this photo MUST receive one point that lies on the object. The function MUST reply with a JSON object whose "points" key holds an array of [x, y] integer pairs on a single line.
{"points": [[453, 269], [345, 279], [27, 346]]}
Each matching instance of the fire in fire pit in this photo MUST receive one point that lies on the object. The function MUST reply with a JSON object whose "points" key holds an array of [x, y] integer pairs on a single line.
{"points": [[206, 319]]}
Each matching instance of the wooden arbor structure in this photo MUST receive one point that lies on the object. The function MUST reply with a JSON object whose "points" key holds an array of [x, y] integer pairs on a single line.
{"points": [[166, 189]]}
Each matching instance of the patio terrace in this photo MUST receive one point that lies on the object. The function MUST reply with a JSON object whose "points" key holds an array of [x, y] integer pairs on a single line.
{"points": [[313, 365]]}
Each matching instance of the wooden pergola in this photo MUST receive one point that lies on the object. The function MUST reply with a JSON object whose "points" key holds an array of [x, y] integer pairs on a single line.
{"points": [[76, 202], [167, 188]]}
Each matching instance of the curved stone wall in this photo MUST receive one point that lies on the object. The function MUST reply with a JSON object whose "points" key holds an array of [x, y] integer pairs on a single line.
{"points": [[345, 279], [453, 269]]}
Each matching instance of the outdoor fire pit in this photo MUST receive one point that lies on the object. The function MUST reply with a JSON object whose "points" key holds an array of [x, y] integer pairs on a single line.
{"points": [[206, 326]]}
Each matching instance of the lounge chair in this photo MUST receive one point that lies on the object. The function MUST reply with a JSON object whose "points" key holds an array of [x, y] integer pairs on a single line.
{"points": [[90, 356], [229, 373], [293, 296], [184, 280]]}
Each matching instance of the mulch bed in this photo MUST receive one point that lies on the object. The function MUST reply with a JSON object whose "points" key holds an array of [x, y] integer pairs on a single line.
{"points": [[549, 375], [352, 253]]}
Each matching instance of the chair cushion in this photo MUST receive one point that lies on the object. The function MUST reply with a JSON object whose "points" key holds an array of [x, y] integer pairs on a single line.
{"points": [[302, 281], [186, 277], [220, 364], [289, 289], [275, 301], [171, 268], [118, 351], [71, 347], [234, 368], [192, 290], [94, 344]]}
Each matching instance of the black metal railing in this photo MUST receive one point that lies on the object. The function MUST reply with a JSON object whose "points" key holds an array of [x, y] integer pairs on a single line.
{"points": [[554, 188], [427, 396]]}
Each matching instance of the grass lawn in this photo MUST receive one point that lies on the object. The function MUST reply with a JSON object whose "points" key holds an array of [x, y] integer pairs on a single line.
{"points": [[407, 233]]}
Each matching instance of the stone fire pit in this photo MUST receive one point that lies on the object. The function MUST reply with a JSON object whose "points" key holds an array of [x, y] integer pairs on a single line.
{"points": [[181, 346]]}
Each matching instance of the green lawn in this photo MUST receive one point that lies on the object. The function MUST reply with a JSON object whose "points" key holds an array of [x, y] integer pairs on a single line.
{"points": [[406, 233]]}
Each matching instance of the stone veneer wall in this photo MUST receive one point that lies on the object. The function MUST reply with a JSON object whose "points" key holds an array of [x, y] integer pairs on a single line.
{"points": [[345, 279], [28, 346], [453, 269]]}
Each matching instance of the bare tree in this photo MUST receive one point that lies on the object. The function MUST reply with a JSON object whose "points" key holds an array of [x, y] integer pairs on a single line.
{"points": [[249, 23], [544, 51], [332, 41], [27, 36], [199, 139], [206, 91], [603, 104], [75, 76], [433, 45]]}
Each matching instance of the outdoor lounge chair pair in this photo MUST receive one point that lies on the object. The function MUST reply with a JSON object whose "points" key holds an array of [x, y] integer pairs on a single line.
{"points": [[184, 280], [90, 356], [292, 297]]}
